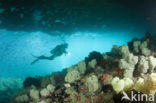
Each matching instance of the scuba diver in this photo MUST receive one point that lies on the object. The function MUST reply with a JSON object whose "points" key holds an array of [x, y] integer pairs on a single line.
{"points": [[57, 51]]}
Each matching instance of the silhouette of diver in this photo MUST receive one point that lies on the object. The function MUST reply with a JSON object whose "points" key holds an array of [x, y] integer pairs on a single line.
{"points": [[57, 51]]}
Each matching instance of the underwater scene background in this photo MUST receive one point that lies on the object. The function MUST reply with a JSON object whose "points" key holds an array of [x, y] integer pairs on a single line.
{"points": [[31, 29]]}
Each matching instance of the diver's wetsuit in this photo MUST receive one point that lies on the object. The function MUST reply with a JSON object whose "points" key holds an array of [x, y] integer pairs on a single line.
{"points": [[57, 51]]}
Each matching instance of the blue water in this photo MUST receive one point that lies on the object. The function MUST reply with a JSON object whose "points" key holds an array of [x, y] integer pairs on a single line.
{"points": [[16, 49]]}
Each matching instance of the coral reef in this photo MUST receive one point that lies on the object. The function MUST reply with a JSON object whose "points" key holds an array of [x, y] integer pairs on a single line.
{"points": [[97, 56], [152, 63], [122, 51], [8, 87], [51, 88], [92, 63], [22, 99], [146, 64], [92, 83], [128, 64], [32, 81], [147, 86], [140, 46], [72, 76], [81, 67], [100, 78], [120, 85], [143, 65], [34, 94], [44, 92]]}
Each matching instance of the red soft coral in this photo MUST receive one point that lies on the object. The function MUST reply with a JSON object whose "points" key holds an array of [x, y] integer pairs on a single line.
{"points": [[105, 77]]}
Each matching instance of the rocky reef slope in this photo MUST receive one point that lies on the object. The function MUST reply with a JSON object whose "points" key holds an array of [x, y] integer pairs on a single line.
{"points": [[99, 78]]}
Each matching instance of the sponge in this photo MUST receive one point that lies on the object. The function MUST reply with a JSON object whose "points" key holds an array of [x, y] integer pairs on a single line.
{"points": [[120, 85]]}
